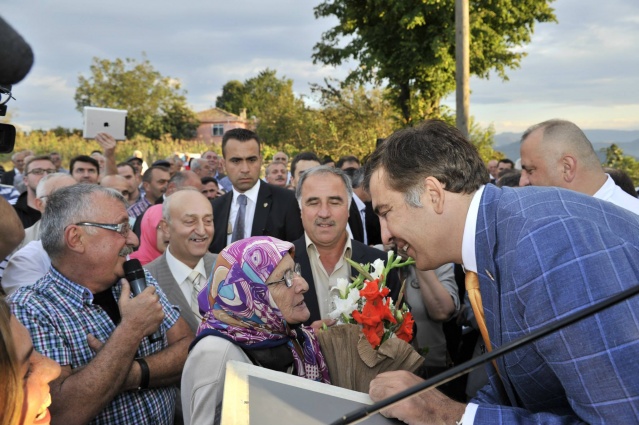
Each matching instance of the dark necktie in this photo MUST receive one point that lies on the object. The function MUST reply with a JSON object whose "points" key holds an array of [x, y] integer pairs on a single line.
{"points": [[238, 229]]}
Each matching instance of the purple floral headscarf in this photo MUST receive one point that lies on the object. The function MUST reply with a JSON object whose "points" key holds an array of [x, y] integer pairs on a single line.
{"points": [[237, 305]]}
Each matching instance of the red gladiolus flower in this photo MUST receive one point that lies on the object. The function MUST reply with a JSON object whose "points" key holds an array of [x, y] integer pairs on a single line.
{"points": [[371, 290], [405, 330], [374, 334]]}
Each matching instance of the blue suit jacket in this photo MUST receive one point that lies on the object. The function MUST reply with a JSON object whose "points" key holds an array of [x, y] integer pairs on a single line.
{"points": [[543, 253]]}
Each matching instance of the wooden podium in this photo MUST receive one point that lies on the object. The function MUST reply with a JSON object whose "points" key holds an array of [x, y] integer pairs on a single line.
{"points": [[255, 395]]}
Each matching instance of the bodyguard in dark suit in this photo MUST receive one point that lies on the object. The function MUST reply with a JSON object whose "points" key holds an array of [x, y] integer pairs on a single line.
{"points": [[324, 194], [539, 255], [364, 229], [184, 268], [252, 207]]}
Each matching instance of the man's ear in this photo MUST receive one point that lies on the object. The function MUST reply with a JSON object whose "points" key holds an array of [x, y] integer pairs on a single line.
{"points": [[164, 226], [434, 194], [74, 239], [39, 204], [569, 168]]}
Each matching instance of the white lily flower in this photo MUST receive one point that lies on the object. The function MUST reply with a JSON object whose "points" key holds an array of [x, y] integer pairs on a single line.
{"points": [[345, 306], [341, 286], [378, 268]]}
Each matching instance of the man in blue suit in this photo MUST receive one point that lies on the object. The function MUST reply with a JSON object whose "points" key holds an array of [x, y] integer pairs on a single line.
{"points": [[540, 254]]}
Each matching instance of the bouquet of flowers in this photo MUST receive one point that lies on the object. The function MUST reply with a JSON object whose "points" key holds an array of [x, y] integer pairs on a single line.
{"points": [[365, 301]]}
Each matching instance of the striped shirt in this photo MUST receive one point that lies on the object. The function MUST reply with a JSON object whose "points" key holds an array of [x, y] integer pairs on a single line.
{"points": [[60, 313]]}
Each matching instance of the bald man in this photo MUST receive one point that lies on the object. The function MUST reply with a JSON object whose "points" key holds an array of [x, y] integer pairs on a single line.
{"points": [[557, 153], [117, 183]]}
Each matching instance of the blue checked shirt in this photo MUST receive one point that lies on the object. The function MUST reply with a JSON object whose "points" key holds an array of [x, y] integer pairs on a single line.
{"points": [[59, 314], [139, 207]]}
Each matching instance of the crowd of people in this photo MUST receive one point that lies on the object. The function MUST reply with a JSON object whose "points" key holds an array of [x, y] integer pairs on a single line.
{"points": [[240, 257]]}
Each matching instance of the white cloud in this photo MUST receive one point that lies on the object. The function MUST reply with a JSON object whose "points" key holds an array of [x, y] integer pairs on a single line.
{"points": [[583, 67]]}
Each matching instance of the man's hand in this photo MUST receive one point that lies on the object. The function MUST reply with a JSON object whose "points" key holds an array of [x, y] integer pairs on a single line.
{"points": [[106, 142], [319, 324], [431, 407], [142, 313]]}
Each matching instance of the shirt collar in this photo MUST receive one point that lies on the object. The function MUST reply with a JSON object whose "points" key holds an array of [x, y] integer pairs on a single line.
{"points": [[181, 271], [348, 246], [75, 293], [360, 204], [468, 240], [251, 194]]}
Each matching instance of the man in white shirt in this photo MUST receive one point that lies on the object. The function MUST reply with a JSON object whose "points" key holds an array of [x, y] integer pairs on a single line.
{"points": [[557, 153], [532, 256], [325, 195], [183, 269], [252, 207]]}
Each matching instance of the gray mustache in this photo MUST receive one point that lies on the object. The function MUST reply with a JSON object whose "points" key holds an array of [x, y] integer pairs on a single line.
{"points": [[126, 250]]}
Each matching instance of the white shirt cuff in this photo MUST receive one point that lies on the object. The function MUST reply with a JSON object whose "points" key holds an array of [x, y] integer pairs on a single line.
{"points": [[469, 414]]}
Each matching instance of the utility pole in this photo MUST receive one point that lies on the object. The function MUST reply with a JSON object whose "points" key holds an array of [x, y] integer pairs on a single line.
{"points": [[462, 65]]}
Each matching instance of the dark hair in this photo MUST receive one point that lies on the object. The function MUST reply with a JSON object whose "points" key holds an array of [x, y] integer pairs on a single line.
{"points": [[349, 158], [356, 175], [303, 156], [240, 134], [508, 178], [126, 164], [148, 174], [326, 159], [623, 180], [433, 148], [209, 179], [84, 158], [506, 161]]}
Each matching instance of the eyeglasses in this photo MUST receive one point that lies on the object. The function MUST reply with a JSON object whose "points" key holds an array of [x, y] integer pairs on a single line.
{"points": [[122, 228], [289, 275], [41, 171]]}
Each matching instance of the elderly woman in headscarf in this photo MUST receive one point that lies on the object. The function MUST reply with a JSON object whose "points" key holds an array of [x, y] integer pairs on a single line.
{"points": [[253, 308]]}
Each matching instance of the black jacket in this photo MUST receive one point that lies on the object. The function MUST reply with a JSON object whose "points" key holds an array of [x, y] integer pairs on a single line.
{"points": [[276, 214]]}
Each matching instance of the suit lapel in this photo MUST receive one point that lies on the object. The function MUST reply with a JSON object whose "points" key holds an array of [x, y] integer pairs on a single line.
{"points": [[489, 285], [173, 292], [262, 210], [221, 212], [310, 297], [355, 222]]}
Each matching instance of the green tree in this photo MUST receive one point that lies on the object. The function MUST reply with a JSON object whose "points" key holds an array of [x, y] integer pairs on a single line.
{"points": [[232, 97], [615, 158], [351, 119], [281, 117], [410, 44], [156, 104]]}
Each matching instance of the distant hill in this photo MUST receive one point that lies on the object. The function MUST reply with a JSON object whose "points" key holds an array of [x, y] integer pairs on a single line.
{"points": [[628, 141]]}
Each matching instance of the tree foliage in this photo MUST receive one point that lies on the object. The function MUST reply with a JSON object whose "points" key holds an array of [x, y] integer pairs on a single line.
{"points": [[410, 44], [232, 97], [69, 144], [156, 104], [615, 158]]}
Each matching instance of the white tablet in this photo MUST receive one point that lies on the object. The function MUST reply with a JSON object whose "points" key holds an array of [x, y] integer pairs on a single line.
{"points": [[104, 120]]}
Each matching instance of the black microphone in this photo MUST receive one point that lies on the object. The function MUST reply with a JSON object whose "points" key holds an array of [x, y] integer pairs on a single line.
{"points": [[16, 56], [457, 371], [135, 275]]}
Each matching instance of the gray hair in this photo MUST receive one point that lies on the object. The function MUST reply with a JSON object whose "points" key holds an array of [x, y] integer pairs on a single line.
{"points": [[166, 205], [197, 163], [324, 170], [66, 206], [41, 190]]}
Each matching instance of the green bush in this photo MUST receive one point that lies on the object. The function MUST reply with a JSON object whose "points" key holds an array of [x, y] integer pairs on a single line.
{"points": [[68, 146]]}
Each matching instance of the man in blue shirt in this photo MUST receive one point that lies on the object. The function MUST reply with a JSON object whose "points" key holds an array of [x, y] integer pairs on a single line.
{"points": [[81, 314]]}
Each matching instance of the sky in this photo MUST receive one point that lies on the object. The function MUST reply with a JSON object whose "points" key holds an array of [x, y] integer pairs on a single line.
{"points": [[585, 68]]}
